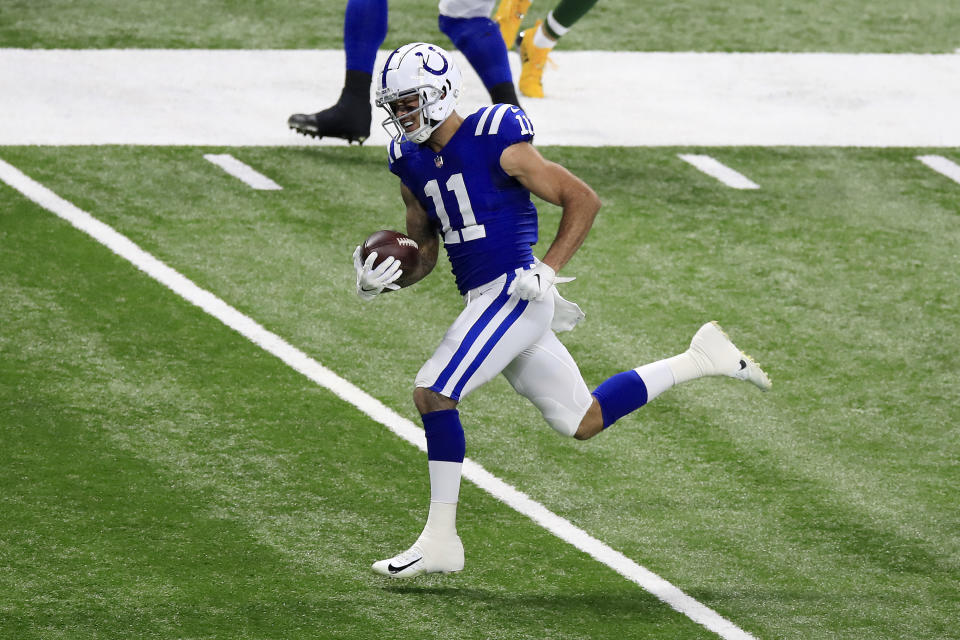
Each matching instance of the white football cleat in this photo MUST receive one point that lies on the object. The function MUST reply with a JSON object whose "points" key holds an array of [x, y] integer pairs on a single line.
{"points": [[425, 556], [716, 355]]}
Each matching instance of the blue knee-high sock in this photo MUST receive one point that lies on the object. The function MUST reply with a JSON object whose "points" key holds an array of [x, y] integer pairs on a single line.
{"points": [[364, 30], [446, 448], [480, 41], [445, 439], [619, 395]]}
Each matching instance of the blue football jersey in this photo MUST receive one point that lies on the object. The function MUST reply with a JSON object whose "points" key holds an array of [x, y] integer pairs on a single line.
{"points": [[485, 217]]}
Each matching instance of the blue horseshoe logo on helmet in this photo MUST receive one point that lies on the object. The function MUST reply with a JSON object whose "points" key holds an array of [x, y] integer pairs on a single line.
{"points": [[436, 72]]}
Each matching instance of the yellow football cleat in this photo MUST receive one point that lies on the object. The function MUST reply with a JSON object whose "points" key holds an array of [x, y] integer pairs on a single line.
{"points": [[532, 59], [509, 15]]}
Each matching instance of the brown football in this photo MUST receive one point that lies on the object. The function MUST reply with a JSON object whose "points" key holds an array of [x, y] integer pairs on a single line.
{"points": [[395, 244]]}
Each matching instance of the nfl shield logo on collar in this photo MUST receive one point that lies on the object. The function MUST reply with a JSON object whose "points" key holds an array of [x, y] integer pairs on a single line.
{"points": [[438, 161]]}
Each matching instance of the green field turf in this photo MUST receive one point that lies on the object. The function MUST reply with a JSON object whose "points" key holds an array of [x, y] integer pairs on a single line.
{"points": [[697, 25], [165, 478]]}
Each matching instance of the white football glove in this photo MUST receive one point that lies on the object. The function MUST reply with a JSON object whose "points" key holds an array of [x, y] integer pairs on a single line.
{"points": [[371, 281], [533, 283]]}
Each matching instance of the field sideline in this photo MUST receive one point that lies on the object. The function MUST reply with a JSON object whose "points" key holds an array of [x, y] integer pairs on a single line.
{"points": [[595, 98]]}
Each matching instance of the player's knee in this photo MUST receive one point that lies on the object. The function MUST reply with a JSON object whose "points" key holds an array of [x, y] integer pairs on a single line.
{"points": [[585, 432], [560, 418], [591, 424], [428, 401]]}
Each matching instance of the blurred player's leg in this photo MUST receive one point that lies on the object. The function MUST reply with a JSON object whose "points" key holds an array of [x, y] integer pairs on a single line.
{"points": [[364, 30], [536, 43], [468, 26], [533, 59], [508, 16]]}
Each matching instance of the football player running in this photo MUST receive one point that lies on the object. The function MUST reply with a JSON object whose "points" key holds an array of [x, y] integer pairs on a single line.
{"points": [[468, 181]]}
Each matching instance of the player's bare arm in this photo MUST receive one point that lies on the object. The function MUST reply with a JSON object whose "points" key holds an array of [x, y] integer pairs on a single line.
{"points": [[425, 235], [557, 185]]}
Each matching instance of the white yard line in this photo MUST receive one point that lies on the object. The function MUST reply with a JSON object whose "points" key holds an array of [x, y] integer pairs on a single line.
{"points": [[942, 165], [242, 172], [716, 169], [594, 98], [366, 403]]}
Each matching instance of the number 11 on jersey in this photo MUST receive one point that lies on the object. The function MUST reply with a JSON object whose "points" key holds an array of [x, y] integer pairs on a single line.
{"points": [[526, 127], [469, 230]]}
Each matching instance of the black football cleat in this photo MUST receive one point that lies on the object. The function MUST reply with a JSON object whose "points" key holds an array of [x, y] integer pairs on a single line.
{"points": [[348, 119]]}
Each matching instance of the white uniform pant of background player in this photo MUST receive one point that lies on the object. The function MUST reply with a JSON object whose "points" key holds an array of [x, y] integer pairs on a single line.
{"points": [[497, 333], [466, 8]]}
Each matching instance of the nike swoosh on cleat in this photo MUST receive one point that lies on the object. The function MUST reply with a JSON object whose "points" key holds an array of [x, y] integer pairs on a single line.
{"points": [[393, 569]]}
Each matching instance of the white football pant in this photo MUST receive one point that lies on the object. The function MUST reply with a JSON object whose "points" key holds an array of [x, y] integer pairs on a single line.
{"points": [[466, 8], [499, 333]]}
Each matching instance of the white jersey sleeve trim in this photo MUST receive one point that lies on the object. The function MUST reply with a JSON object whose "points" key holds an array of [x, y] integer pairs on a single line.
{"points": [[497, 117], [482, 121], [395, 151]]}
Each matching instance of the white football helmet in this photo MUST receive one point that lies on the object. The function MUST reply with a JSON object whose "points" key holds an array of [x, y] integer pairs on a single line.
{"points": [[424, 70]]}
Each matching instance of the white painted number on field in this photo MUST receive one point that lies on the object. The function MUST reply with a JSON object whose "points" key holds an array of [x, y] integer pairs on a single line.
{"points": [[942, 165], [242, 172], [299, 361], [720, 171]]}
